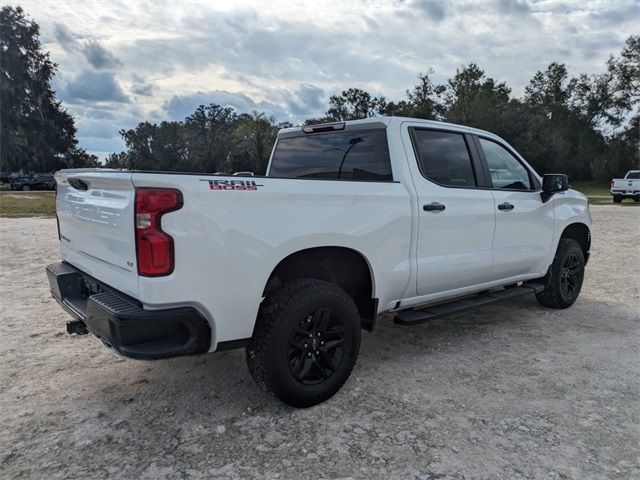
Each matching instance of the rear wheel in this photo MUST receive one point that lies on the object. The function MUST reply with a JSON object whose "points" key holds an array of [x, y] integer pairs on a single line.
{"points": [[617, 198], [564, 280], [637, 198], [26, 188], [305, 342]]}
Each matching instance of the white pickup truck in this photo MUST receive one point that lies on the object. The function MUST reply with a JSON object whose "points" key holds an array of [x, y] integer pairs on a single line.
{"points": [[627, 187], [352, 219]]}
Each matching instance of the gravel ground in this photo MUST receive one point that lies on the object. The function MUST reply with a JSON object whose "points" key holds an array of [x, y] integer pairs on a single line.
{"points": [[508, 391]]}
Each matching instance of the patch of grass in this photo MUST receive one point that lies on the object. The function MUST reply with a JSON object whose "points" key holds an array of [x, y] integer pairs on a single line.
{"points": [[32, 204], [609, 201], [591, 188]]}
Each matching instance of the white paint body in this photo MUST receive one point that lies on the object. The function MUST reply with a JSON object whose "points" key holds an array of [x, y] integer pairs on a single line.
{"points": [[227, 243]]}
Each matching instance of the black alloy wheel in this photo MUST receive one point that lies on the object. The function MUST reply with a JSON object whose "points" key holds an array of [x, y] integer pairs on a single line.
{"points": [[317, 347], [570, 276]]}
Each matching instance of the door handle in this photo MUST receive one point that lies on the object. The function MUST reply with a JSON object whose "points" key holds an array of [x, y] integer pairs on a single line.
{"points": [[505, 206], [433, 207]]}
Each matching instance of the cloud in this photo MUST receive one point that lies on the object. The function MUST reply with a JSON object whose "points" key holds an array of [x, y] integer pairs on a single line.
{"points": [[64, 36], [435, 9], [306, 100], [99, 57], [92, 50], [144, 89], [181, 106], [615, 14], [514, 7], [94, 86], [288, 57]]}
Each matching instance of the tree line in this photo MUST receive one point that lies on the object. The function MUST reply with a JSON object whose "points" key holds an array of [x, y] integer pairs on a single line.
{"points": [[36, 133], [587, 125]]}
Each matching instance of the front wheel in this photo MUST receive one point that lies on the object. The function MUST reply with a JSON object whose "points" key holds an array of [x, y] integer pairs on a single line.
{"points": [[26, 188], [565, 276], [305, 342]]}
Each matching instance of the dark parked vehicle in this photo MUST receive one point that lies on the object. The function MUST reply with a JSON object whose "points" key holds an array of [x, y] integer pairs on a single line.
{"points": [[37, 181], [5, 177]]}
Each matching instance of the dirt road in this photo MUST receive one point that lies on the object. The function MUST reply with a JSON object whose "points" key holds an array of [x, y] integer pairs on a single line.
{"points": [[508, 391]]}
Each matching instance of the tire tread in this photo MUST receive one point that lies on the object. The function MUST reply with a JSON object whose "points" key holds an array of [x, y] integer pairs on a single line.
{"points": [[550, 296], [269, 314]]}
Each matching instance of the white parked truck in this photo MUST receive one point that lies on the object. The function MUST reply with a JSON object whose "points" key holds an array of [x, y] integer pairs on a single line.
{"points": [[627, 187], [352, 219]]}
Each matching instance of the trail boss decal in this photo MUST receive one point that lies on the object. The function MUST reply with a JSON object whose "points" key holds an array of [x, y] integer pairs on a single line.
{"points": [[232, 184]]}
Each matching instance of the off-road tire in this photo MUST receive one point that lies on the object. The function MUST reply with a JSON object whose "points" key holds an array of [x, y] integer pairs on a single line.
{"points": [[269, 351], [554, 296]]}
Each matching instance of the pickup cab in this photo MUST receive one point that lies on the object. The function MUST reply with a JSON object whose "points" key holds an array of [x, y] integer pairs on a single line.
{"points": [[627, 187], [352, 219]]}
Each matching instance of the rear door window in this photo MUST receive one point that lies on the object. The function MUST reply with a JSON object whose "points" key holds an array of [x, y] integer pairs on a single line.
{"points": [[444, 158], [344, 155]]}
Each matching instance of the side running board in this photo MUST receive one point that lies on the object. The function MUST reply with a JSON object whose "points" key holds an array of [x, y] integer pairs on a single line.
{"points": [[415, 317]]}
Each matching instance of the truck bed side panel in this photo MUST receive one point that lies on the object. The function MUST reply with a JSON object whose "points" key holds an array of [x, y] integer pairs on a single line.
{"points": [[228, 241]]}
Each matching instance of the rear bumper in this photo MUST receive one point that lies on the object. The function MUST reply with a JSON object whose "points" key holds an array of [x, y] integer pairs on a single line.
{"points": [[121, 322], [625, 193]]}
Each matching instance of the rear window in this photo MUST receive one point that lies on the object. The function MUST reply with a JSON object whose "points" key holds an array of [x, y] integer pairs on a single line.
{"points": [[633, 175], [346, 155]]}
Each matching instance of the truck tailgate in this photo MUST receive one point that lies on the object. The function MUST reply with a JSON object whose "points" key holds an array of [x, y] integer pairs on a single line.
{"points": [[625, 184], [96, 220]]}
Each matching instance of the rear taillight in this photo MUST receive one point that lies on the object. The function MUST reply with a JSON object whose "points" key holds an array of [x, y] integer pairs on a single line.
{"points": [[154, 248]]}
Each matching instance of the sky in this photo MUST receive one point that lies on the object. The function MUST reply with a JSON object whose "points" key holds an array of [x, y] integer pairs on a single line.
{"points": [[124, 62]]}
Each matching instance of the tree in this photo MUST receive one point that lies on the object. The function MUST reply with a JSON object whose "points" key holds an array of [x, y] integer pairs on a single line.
{"points": [[623, 150], [36, 133], [207, 134], [156, 147], [80, 158], [560, 137], [117, 160], [354, 104], [474, 100], [425, 99], [253, 139], [627, 67]]}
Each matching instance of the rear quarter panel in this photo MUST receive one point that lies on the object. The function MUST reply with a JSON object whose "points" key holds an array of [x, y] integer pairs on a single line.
{"points": [[228, 242]]}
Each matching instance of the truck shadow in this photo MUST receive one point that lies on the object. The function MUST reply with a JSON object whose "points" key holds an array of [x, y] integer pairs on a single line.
{"points": [[518, 330]]}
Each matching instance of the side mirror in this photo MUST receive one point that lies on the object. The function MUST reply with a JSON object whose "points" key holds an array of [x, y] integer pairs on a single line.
{"points": [[553, 183]]}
